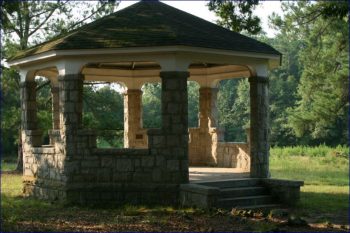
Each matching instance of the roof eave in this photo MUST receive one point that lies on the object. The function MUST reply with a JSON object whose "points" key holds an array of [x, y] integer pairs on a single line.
{"points": [[177, 48]]}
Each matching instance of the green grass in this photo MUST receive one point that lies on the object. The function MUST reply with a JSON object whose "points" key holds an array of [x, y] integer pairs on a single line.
{"points": [[313, 170], [318, 151], [325, 196], [325, 172], [8, 164]]}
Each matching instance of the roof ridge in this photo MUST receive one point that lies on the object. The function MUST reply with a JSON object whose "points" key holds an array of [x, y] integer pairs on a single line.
{"points": [[149, 23], [226, 30]]}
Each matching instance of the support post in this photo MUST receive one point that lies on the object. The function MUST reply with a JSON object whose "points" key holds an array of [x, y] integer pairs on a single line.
{"points": [[132, 117], [203, 147], [71, 107], [30, 136], [208, 112], [30, 133], [259, 127], [29, 105], [174, 101], [55, 107]]}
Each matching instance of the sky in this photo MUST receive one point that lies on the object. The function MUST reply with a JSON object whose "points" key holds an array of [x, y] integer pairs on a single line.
{"points": [[199, 8]]}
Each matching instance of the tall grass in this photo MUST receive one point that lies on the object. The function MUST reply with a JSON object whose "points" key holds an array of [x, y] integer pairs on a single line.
{"points": [[315, 165], [325, 172], [318, 151]]}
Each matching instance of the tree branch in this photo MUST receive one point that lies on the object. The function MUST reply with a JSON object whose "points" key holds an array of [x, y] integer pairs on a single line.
{"points": [[11, 25], [43, 85], [43, 22], [89, 16]]}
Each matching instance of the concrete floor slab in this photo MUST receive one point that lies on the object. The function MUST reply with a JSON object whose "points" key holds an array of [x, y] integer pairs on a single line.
{"points": [[200, 174]]}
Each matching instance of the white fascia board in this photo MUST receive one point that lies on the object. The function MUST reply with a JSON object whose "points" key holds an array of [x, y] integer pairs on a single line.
{"points": [[160, 49]]}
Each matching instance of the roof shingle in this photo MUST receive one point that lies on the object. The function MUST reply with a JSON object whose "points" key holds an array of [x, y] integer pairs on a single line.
{"points": [[148, 24]]}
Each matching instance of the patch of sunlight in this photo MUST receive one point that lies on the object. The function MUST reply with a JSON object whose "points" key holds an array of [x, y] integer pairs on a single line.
{"points": [[11, 184], [326, 189]]}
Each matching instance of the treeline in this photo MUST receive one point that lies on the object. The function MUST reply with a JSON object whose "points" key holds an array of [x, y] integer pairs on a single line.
{"points": [[309, 95]]}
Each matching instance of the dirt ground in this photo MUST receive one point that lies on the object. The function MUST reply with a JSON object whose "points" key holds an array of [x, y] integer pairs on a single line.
{"points": [[100, 220]]}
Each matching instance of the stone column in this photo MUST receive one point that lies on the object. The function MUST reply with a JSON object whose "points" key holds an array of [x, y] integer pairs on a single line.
{"points": [[55, 107], [174, 103], [29, 105], [30, 133], [208, 112], [132, 116], [259, 127], [71, 107], [206, 142]]}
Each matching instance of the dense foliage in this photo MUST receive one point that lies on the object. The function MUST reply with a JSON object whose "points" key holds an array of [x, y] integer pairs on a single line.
{"points": [[321, 67], [308, 92], [236, 15]]}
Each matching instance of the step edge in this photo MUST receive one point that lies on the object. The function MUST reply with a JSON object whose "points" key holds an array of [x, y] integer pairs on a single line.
{"points": [[244, 198], [259, 206], [242, 188]]}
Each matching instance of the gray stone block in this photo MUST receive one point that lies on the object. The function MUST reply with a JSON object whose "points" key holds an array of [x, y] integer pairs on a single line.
{"points": [[124, 165], [107, 162], [148, 162], [173, 165]]}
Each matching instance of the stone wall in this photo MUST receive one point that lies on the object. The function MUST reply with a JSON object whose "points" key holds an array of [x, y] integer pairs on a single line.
{"points": [[207, 148], [234, 155], [206, 143], [72, 169], [118, 175], [43, 174], [285, 191], [203, 145], [96, 175]]}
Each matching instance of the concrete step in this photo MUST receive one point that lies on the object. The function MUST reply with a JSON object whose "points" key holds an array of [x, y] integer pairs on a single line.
{"points": [[243, 192], [236, 183], [260, 207], [244, 201]]}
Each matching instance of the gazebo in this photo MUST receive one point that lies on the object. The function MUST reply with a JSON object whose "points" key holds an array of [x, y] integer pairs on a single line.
{"points": [[146, 42]]}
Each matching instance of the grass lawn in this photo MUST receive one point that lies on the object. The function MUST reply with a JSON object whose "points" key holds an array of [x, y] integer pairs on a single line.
{"points": [[325, 195], [324, 204], [8, 164]]}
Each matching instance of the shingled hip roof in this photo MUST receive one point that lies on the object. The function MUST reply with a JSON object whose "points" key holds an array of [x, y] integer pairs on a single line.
{"points": [[151, 24]]}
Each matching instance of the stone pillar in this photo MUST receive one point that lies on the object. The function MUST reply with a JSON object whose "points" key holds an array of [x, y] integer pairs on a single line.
{"points": [[31, 136], [71, 107], [29, 105], [208, 112], [259, 127], [132, 117], [55, 107], [174, 104], [206, 142]]}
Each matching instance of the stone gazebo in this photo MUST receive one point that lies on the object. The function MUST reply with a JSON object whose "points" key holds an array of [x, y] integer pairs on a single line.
{"points": [[146, 42]]}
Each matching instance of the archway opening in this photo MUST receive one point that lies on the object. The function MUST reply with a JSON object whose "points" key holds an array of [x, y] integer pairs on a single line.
{"points": [[233, 107], [193, 103], [103, 112], [44, 113], [151, 105]]}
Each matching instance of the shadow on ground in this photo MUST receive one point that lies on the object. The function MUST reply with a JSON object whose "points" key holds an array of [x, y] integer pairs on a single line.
{"points": [[325, 207]]}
